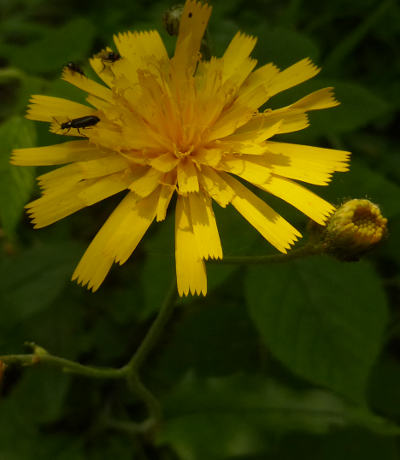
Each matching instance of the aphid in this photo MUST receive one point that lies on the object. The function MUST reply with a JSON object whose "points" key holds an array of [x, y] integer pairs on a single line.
{"points": [[80, 123], [74, 68]]}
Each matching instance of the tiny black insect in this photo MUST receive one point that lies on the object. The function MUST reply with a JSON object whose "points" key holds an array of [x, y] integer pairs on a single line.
{"points": [[74, 68], [80, 123], [108, 57]]}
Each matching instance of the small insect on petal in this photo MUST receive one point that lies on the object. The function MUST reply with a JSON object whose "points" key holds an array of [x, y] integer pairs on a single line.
{"points": [[74, 68]]}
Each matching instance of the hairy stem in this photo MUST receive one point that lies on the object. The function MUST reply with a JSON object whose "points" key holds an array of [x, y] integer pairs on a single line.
{"points": [[129, 372], [306, 250]]}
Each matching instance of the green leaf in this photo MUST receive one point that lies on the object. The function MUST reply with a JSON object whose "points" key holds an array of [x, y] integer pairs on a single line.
{"points": [[214, 337], [323, 319], [16, 182], [358, 107], [283, 46], [57, 46], [238, 237], [364, 182], [40, 395], [383, 389], [228, 417], [32, 280], [352, 444]]}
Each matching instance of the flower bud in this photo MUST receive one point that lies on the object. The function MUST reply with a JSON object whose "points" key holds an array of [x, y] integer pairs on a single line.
{"points": [[171, 19], [355, 228]]}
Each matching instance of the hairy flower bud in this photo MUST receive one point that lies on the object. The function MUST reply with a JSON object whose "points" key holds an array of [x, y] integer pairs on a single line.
{"points": [[355, 228], [171, 19]]}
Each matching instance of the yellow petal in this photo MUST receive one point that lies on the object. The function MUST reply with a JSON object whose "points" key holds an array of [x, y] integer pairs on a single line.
{"points": [[190, 268], [138, 50], [289, 120], [298, 196], [238, 51], [49, 108], [243, 167], [81, 170], [208, 156], [215, 186], [292, 76], [66, 199], [146, 183], [132, 228], [116, 240], [165, 162], [57, 154], [237, 115], [264, 219], [321, 99], [255, 90], [167, 189], [258, 129], [103, 70], [192, 26], [314, 165], [138, 47], [204, 226], [187, 177], [96, 263], [84, 83]]}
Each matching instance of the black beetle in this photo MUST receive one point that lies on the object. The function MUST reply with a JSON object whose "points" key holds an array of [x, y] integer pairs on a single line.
{"points": [[81, 122]]}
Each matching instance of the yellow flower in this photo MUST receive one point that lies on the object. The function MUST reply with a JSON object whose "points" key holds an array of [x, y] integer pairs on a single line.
{"points": [[182, 124]]}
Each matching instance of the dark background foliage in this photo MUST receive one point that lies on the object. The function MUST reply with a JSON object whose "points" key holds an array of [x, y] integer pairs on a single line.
{"points": [[299, 360]]}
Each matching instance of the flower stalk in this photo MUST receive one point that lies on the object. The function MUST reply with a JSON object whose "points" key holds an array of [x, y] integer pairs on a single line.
{"points": [[129, 372]]}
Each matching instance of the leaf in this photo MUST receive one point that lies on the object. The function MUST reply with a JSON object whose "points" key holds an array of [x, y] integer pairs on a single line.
{"points": [[238, 237], [383, 388], [40, 395], [57, 46], [16, 182], [283, 46], [358, 107], [228, 417], [213, 337], [351, 444], [323, 319], [364, 182], [32, 280]]}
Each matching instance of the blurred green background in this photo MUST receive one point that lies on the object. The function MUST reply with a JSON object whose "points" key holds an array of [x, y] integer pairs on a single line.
{"points": [[298, 360]]}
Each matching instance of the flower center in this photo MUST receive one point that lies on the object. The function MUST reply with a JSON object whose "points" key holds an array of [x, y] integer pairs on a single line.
{"points": [[182, 153]]}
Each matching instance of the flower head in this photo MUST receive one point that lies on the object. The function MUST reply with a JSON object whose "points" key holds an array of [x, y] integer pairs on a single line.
{"points": [[183, 125]]}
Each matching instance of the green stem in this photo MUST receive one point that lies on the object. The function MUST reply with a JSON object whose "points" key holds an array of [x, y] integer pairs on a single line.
{"points": [[306, 250], [129, 371], [11, 73], [65, 364], [137, 360], [154, 332]]}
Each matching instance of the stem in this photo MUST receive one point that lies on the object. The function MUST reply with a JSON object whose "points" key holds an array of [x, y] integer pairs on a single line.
{"points": [[65, 364], [306, 250], [11, 73], [128, 372], [137, 360], [154, 332]]}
